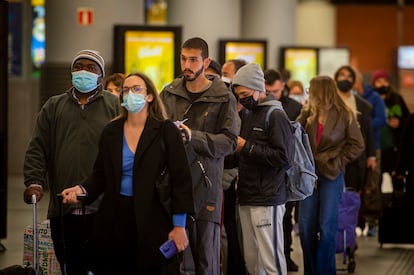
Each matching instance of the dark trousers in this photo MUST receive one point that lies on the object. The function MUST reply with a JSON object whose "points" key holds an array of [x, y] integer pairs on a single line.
{"points": [[288, 226], [117, 254], [204, 238], [235, 260], [388, 159], [71, 242]]}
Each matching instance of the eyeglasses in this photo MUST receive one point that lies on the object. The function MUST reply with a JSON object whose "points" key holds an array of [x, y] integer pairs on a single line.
{"points": [[88, 67], [135, 89]]}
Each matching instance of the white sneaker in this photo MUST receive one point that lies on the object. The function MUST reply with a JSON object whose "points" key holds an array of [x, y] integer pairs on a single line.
{"points": [[358, 231], [366, 228]]}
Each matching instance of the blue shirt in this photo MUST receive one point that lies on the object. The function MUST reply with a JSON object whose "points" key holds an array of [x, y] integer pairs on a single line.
{"points": [[126, 182], [127, 167]]}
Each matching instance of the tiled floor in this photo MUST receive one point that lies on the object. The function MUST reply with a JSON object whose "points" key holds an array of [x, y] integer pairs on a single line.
{"points": [[370, 258]]}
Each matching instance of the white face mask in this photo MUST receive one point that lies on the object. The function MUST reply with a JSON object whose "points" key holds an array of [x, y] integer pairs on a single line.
{"points": [[226, 79], [298, 98]]}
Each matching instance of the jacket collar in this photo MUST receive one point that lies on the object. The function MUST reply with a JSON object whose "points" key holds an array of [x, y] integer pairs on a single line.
{"points": [[149, 134], [116, 137], [217, 88], [270, 100]]}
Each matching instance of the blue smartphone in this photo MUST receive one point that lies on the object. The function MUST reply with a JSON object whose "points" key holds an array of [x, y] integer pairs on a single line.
{"points": [[168, 249]]}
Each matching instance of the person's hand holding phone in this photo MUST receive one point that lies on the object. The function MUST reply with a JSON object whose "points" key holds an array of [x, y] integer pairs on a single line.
{"points": [[184, 130], [179, 236]]}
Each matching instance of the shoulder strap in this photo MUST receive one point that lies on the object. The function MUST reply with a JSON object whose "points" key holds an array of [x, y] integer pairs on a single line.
{"points": [[269, 111]]}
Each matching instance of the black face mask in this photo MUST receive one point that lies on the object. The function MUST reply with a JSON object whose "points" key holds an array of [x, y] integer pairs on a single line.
{"points": [[344, 85], [382, 90], [248, 102]]}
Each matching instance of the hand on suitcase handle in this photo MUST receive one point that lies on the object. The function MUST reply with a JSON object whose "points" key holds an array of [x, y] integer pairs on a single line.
{"points": [[31, 190]]}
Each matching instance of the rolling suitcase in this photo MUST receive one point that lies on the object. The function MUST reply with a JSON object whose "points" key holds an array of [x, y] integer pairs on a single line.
{"points": [[347, 223], [38, 249], [394, 225], [32, 267]]}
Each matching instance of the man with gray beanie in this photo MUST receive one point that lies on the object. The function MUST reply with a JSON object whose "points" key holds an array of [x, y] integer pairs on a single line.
{"points": [[62, 152], [265, 149]]}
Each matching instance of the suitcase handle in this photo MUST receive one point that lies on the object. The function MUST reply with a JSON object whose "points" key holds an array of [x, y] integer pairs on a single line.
{"points": [[81, 198], [35, 237]]}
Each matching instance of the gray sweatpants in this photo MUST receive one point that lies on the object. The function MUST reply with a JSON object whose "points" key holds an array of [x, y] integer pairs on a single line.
{"points": [[262, 230]]}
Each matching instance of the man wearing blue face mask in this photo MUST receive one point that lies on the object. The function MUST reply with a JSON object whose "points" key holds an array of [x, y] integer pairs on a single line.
{"points": [[63, 148]]}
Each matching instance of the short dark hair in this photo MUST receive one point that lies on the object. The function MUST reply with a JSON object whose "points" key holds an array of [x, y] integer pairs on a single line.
{"points": [[116, 78], [285, 74], [271, 76], [215, 66], [238, 63], [197, 43]]}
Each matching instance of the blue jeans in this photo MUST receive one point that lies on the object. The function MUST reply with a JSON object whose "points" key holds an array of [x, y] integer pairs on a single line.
{"points": [[318, 223]]}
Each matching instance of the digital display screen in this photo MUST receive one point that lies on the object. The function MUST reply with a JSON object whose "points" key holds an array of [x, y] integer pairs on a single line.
{"points": [[301, 62], [153, 51], [330, 59], [406, 57], [252, 51], [38, 46]]}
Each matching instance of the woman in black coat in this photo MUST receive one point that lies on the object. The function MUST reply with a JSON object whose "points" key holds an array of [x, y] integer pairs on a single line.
{"points": [[131, 223]]}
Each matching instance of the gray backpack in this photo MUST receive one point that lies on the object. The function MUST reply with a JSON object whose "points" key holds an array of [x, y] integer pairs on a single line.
{"points": [[301, 176]]}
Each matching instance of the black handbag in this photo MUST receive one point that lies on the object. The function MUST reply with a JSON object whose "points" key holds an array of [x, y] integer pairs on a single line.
{"points": [[372, 204]]}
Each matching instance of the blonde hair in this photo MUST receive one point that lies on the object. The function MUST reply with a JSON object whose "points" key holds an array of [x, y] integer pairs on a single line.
{"points": [[323, 96]]}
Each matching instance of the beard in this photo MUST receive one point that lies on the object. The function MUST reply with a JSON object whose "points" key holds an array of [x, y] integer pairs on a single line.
{"points": [[196, 74]]}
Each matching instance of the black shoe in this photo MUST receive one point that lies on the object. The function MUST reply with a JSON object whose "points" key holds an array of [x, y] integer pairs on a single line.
{"points": [[291, 265]]}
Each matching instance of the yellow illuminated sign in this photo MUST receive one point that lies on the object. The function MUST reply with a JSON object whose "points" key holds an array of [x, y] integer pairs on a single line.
{"points": [[151, 53]]}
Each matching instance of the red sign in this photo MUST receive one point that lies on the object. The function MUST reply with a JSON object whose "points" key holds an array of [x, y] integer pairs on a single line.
{"points": [[407, 79], [85, 16]]}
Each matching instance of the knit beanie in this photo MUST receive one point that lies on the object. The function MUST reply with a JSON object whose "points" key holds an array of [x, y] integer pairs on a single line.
{"points": [[250, 76], [91, 55], [378, 74]]}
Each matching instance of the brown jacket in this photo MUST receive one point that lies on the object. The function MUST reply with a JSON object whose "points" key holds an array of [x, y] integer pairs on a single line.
{"points": [[341, 142]]}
